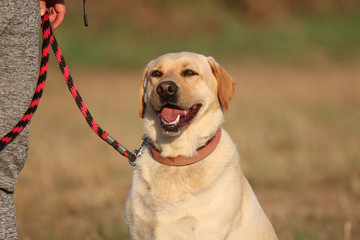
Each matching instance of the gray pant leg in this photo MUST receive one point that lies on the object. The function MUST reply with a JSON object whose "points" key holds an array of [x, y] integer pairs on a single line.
{"points": [[19, 50], [7, 217]]}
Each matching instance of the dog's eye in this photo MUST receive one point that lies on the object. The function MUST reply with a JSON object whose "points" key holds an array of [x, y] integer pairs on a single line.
{"points": [[188, 73], [156, 73]]}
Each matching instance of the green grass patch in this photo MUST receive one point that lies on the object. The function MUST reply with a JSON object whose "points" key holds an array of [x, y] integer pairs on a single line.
{"points": [[124, 40]]}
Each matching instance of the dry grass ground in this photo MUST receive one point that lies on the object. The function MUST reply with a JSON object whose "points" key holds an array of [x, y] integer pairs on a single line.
{"points": [[296, 128]]}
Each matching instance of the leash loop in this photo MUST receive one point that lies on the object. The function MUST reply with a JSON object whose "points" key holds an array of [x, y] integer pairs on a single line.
{"points": [[49, 38]]}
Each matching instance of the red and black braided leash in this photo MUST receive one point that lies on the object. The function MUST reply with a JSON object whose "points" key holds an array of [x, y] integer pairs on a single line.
{"points": [[49, 38], [8, 138]]}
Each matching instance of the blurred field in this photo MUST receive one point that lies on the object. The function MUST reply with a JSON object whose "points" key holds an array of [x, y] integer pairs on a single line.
{"points": [[130, 33], [295, 116]]}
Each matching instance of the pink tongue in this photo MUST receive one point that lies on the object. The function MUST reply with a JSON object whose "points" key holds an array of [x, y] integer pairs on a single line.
{"points": [[170, 114]]}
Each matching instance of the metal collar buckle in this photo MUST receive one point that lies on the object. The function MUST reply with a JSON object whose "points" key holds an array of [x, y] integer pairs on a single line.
{"points": [[138, 152]]}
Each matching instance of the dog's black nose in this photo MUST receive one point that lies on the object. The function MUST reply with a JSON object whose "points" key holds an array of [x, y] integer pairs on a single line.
{"points": [[166, 89]]}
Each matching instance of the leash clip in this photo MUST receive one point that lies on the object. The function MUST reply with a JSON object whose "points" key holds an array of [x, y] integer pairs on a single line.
{"points": [[144, 144]]}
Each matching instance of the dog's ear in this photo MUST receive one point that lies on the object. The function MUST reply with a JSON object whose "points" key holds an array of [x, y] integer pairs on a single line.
{"points": [[226, 85], [142, 92]]}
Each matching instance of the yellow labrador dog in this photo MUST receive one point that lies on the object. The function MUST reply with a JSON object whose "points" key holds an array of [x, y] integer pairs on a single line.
{"points": [[188, 183]]}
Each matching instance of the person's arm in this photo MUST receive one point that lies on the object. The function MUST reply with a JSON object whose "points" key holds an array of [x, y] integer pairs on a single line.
{"points": [[57, 11]]}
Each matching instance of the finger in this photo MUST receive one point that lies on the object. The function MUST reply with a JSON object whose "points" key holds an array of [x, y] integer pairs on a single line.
{"points": [[52, 14], [42, 7], [60, 10]]}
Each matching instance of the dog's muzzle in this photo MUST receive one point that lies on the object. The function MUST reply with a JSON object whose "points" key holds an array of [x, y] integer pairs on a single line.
{"points": [[172, 116]]}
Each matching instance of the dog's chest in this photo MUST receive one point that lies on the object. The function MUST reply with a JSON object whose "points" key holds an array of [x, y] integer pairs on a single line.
{"points": [[189, 201], [187, 216]]}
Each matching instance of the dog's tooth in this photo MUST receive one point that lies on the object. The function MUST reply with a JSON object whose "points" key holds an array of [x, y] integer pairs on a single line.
{"points": [[176, 121]]}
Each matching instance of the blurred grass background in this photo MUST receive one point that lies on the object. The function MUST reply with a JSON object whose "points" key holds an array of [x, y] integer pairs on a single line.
{"points": [[295, 116], [131, 33]]}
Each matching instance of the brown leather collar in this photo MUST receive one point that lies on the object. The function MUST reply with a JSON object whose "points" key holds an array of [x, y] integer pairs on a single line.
{"points": [[180, 160]]}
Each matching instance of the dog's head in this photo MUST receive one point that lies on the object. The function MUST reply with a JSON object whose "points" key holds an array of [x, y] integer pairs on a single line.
{"points": [[179, 87]]}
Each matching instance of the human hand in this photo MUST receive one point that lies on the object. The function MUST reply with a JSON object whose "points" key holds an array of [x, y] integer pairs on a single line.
{"points": [[57, 11]]}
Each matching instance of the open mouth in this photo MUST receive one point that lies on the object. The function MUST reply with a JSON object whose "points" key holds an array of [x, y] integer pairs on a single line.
{"points": [[172, 118]]}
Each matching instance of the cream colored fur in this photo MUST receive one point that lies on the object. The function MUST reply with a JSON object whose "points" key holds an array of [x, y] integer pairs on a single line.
{"points": [[210, 199]]}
